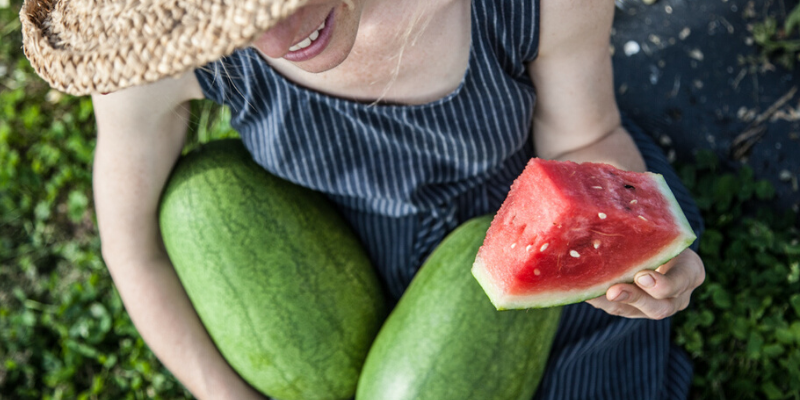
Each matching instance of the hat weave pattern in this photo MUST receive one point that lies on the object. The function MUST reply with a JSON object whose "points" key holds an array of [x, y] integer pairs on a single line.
{"points": [[90, 46]]}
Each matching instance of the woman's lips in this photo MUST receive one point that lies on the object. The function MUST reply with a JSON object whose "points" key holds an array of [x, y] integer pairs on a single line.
{"points": [[317, 46]]}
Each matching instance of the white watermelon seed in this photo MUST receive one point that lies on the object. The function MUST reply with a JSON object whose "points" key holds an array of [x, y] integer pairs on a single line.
{"points": [[634, 201], [597, 187], [529, 248], [643, 218], [602, 215], [574, 253], [513, 245], [544, 247], [596, 244], [537, 272]]}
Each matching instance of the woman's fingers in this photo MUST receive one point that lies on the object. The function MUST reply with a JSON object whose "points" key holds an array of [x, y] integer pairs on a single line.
{"points": [[656, 294], [616, 308], [632, 302], [651, 307], [682, 274]]}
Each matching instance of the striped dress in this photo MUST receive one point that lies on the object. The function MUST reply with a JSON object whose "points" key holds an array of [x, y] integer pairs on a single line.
{"points": [[405, 176]]}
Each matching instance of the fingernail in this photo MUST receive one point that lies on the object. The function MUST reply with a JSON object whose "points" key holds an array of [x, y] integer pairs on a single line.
{"points": [[646, 281], [622, 296]]}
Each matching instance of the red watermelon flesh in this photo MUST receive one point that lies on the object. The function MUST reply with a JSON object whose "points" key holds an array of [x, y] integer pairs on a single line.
{"points": [[567, 232]]}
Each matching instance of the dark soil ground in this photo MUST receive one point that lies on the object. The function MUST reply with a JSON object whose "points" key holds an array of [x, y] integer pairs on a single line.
{"points": [[688, 72]]}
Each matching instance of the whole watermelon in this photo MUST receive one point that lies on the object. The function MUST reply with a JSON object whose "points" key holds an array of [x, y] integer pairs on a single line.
{"points": [[446, 341], [279, 280]]}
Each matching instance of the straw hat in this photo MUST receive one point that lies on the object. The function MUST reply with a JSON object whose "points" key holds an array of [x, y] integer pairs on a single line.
{"points": [[89, 46]]}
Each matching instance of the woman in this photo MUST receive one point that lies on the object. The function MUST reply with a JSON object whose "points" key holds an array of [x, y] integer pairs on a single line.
{"points": [[412, 116]]}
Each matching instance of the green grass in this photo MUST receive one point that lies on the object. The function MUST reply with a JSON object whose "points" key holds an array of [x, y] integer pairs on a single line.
{"points": [[743, 326], [778, 41], [64, 333]]}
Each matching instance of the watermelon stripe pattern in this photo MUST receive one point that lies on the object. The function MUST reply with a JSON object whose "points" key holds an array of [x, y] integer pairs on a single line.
{"points": [[279, 281], [445, 341]]}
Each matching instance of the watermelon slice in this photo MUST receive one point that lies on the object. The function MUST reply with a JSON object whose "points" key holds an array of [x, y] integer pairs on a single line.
{"points": [[567, 232]]}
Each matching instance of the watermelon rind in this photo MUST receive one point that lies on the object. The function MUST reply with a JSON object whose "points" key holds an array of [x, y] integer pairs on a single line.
{"points": [[281, 283], [445, 341], [684, 239]]}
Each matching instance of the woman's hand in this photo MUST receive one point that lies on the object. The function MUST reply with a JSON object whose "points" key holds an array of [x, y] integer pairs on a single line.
{"points": [[656, 294]]}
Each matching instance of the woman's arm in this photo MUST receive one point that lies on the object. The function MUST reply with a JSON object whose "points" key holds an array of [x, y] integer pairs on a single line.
{"points": [[141, 131], [576, 114], [576, 118]]}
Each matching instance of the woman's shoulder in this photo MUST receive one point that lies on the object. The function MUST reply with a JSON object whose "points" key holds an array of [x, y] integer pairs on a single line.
{"points": [[166, 93]]}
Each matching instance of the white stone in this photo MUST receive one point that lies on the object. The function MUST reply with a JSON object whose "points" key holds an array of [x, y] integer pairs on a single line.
{"points": [[631, 48]]}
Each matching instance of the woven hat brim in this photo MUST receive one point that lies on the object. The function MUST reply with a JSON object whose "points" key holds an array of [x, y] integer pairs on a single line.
{"points": [[96, 46]]}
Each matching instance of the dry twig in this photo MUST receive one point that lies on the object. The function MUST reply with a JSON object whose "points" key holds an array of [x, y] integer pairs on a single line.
{"points": [[746, 140]]}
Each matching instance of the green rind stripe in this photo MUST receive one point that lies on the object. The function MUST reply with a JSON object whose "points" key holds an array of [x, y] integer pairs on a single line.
{"points": [[280, 282], [445, 341]]}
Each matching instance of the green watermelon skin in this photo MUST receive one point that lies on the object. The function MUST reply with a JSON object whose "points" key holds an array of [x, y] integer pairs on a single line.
{"points": [[445, 340], [278, 279]]}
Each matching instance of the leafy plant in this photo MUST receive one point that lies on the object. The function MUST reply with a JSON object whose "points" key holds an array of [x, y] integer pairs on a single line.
{"points": [[779, 42], [64, 333], [743, 328]]}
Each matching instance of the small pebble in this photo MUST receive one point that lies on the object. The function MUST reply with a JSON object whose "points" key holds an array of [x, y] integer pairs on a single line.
{"points": [[785, 175], [655, 39], [696, 54], [631, 48]]}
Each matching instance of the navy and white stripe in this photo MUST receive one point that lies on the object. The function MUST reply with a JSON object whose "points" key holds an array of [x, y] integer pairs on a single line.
{"points": [[405, 176]]}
